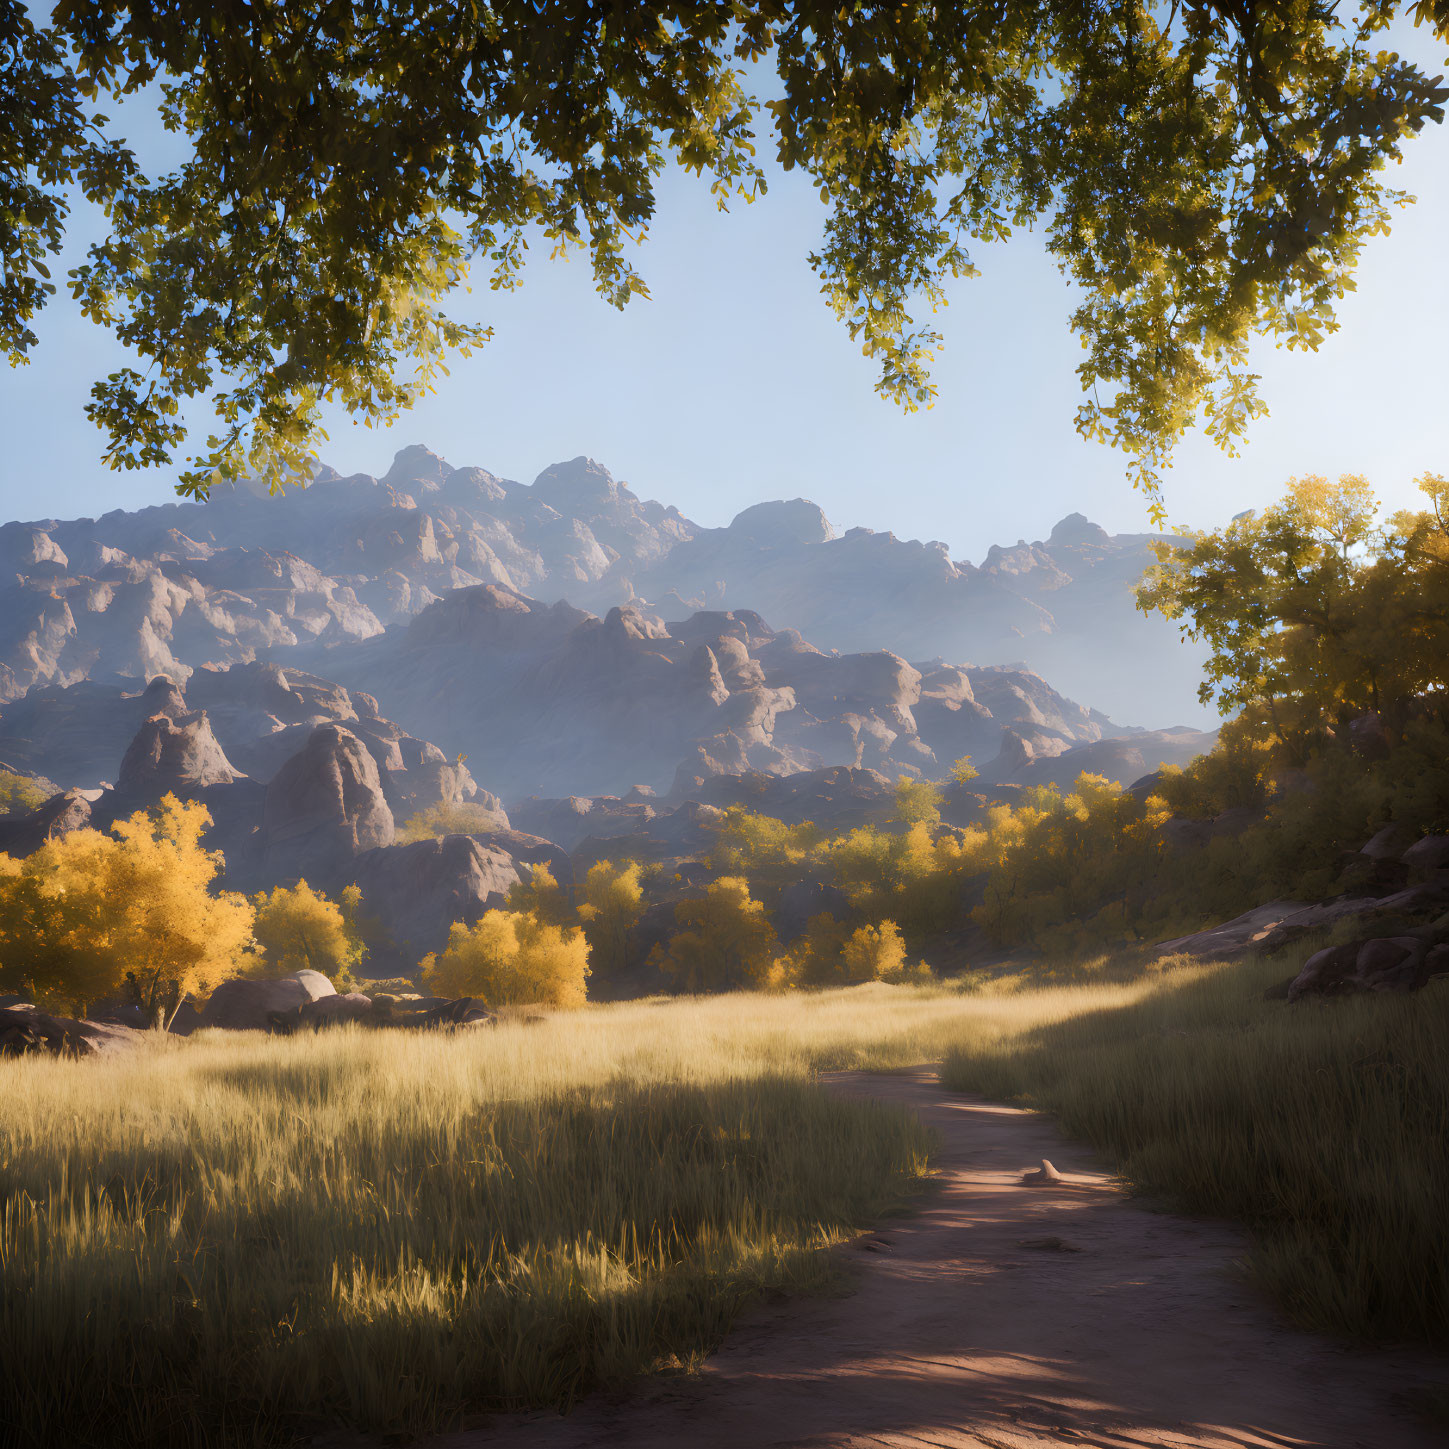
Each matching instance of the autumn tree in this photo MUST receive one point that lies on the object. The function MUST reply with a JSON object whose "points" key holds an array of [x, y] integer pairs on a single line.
{"points": [[963, 772], [1313, 611], [89, 914], [511, 958], [298, 928], [613, 901], [539, 894], [918, 802], [1202, 174], [873, 953], [724, 942]]}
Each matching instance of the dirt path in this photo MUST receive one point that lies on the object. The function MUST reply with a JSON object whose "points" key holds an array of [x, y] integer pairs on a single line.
{"points": [[966, 1330]]}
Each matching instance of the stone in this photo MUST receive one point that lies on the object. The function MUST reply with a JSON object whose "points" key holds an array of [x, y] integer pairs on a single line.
{"points": [[1382, 964], [25, 1031], [1042, 1176], [336, 1009], [62, 813], [1428, 854], [1390, 843], [1233, 938], [248, 1005]]}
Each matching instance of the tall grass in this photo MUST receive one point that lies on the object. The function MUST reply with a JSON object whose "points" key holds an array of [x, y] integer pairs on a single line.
{"points": [[240, 1239], [1324, 1126]]}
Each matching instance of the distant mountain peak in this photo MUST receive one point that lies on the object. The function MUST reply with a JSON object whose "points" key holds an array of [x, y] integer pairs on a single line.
{"points": [[1078, 528], [784, 521]]}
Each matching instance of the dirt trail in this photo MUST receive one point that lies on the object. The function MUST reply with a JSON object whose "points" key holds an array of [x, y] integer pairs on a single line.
{"points": [[961, 1333]]}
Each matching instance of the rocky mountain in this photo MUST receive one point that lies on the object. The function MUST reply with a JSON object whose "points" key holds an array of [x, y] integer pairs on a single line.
{"points": [[320, 667], [174, 588]]}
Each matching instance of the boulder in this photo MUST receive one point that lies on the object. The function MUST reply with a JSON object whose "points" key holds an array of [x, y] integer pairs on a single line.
{"points": [[25, 1031], [247, 1005], [336, 1009], [1430, 853], [1383, 964], [62, 813], [1390, 843], [1233, 938]]}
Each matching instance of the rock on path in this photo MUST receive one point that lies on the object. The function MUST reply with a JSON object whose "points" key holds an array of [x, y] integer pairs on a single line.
{"points": [[1013, 1315]]}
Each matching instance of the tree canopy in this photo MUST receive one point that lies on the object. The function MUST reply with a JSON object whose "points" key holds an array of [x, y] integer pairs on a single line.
{"points": [[1203, 173], [1315, 612]]}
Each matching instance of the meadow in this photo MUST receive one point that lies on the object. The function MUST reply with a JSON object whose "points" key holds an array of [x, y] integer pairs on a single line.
{"points": [[238, 1240]]}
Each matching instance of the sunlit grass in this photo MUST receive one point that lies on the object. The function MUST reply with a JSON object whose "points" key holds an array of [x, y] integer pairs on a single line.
{"points": [[239, 1238]]}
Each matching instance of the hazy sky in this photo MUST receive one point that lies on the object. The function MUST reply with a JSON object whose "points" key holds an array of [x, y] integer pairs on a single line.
{"points": [[735, 384]]}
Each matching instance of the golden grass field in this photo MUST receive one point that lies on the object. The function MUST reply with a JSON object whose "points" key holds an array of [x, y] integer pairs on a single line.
{"points": [[236, 1239]]}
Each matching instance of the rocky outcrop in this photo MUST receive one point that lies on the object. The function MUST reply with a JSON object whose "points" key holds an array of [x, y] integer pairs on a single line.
{"points": [[324, 806], [418, 891], [173, 754], [1236, 938], [69, 810], [26, 1031]]}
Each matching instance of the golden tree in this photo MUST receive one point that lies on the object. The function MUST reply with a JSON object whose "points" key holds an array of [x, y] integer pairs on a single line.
{"points": [[88, 914], [298, 929], [613, 901], [726, 940], [873, 953], [918, 802], [511, 958], [542, 896]]}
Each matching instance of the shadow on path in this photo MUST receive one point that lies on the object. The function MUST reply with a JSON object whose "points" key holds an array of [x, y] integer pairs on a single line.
{"points": [[1014, 1316]]}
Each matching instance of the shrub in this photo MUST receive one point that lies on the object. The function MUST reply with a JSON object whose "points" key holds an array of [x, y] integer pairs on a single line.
{"points": [[20, 794], [511, 958], [540, 895], [873, 953], [449, 817], [918, 802]]}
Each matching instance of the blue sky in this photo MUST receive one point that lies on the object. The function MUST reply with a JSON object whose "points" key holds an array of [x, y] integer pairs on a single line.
{"points": [[734, 383]]}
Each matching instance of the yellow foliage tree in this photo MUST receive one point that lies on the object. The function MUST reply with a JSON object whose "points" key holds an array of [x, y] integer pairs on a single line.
{"points": [[725, 941], [543, 897], [88, 914], [918, 802], [613, 901], [873, 953], [511, 958], [963, 772], [298, 929], [815, 958]]}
